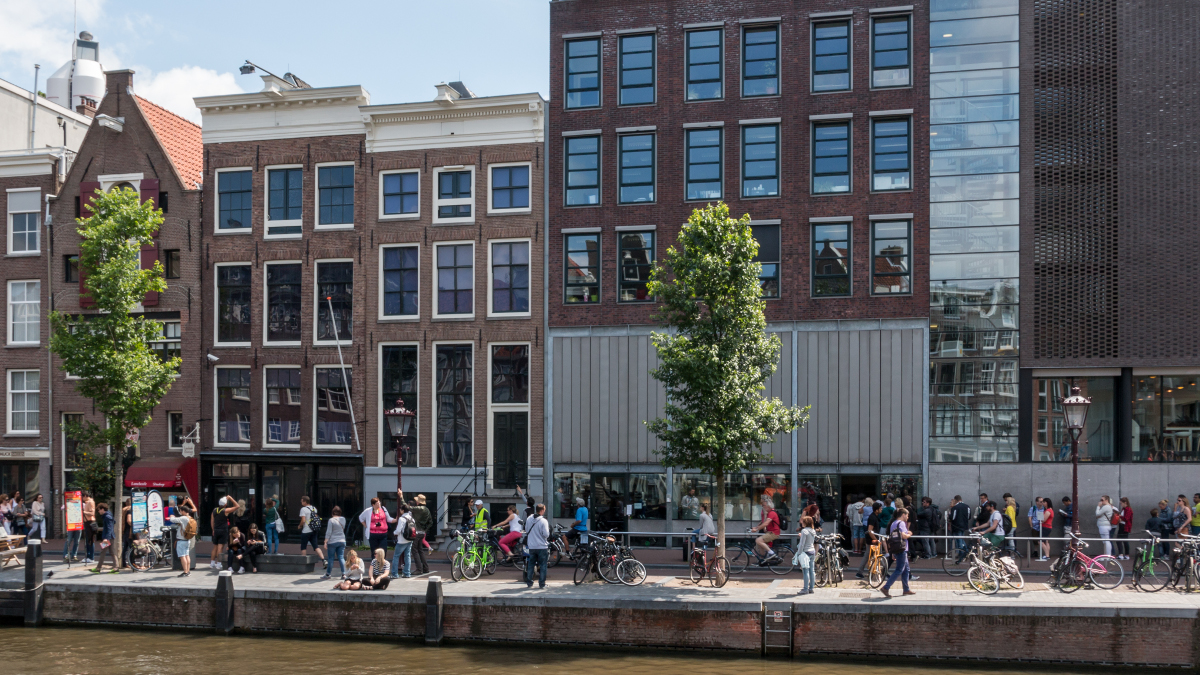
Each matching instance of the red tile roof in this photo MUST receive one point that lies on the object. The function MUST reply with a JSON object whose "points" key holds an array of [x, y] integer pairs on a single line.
{"points": [[180, 138]]}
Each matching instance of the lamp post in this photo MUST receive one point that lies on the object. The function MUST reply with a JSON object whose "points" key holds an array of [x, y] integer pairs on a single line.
{"points": [[1075, 409], [399, 421]]}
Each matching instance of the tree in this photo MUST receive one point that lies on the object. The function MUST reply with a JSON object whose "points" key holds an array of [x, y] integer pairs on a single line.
{"points": [[108, 350], [717, 355]]}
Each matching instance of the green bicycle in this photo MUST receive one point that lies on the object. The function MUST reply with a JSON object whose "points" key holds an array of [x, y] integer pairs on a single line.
{"points": [[476, 556]]}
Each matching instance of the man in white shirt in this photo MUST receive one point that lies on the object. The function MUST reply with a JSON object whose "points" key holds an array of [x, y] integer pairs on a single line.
{"points": [[403, 545], [537, 541]]}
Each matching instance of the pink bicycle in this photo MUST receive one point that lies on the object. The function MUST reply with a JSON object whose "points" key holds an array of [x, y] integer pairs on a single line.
{"points": [[1074, 569]]}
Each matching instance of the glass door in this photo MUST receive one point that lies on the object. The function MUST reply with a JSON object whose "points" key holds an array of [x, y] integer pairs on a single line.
{"points": [[609, 496]]}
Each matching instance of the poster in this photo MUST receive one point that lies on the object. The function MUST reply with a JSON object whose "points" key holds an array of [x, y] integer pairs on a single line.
{"points": [[74, 504], [154, 512], [139, 511]]}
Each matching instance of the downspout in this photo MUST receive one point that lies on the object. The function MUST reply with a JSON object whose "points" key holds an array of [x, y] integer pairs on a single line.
{"points": [[37, 70], [50, 355], [548, 340]]}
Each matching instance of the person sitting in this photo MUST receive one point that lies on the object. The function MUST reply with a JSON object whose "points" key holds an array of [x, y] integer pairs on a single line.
{"points": [[377, 574], [237, 551], [352, 579], [256, 545], [770, 531]]}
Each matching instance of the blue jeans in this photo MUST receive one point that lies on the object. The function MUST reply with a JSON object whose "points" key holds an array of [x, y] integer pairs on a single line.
{"points": [[960, 544], [900, 571], [336, 552], [537, 558], [806, 565], [404, 550], [272, 538], [72, 544]]}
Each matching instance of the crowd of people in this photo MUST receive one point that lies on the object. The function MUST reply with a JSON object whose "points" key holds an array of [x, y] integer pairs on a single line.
{"points": [[18, 517]]}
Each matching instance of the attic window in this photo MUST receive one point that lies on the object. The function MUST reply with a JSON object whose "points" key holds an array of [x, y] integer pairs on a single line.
{"points": [[162, 202]]}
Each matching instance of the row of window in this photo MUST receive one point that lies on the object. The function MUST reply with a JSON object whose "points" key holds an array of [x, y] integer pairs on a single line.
{"points": [[399, 196], [760, 162], [399, 291], [890, 260], [704, 66]]}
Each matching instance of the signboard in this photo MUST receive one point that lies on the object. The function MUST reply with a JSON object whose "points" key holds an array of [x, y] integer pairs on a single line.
{"points": [[139, 511], [74, 511], [154, 512], [189, 449]]}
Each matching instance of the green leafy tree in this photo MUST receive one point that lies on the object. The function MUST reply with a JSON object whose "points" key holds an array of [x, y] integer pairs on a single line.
{"points": [[108, 350], [717, 355]]}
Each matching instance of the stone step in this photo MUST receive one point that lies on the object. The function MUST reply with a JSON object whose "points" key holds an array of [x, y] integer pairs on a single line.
{"points": [[279, 563]]}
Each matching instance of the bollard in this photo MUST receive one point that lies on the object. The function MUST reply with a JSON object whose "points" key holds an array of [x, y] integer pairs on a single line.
{"points": [[33, 583], [224, 602], [172, 536], [433, 612]]}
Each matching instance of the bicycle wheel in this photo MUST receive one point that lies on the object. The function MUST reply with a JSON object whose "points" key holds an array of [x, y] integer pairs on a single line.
{"points": [[453, 547], [1073, 577], [1106, 572], [696, 568], [1014, 579], [140, 559], [583, 569], [983, 580], [1152, 575], [456, 567], [631, 572], [821, 572], [738, 561], [607, 567], [472, 566], [490, 559], [781, 563], [719, 573], [554, 556], [878, 573]]}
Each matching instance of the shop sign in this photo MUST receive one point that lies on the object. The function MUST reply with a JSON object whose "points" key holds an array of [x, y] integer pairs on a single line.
{"points": [[154, 512], [139, 511], [74, 511]]}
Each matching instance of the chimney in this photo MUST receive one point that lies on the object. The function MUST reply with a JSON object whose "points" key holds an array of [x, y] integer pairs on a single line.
{"points": [[117, 80], [88, 107]]}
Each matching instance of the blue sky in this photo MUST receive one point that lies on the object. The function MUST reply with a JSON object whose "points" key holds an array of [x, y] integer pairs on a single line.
{"points": [[397, 50]]}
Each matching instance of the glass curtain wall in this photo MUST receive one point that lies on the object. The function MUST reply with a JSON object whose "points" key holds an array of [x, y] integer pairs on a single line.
{"points": [[973, 236]]}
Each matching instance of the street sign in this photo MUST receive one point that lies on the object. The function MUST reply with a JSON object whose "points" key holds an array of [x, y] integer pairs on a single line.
{"points": [[189, 449]]}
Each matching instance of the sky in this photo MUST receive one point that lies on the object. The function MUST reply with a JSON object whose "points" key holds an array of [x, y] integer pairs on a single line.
{"points": [[397, 50]]}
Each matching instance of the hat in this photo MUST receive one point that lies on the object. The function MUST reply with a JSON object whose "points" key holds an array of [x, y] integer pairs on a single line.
{"points": [[222, 502], [478, 502], [420, 499]]}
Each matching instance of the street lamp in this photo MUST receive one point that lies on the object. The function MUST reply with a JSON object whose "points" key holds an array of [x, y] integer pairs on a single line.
{"points": [[1075, 409], [399, 421]]}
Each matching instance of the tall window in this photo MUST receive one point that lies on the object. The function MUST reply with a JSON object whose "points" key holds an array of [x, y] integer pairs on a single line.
{"points": [[71, 268], [637, 69], [760, 161], [637, 259], [583, 171], [637, 168], [24, 312], [456, 278], [175, 430], [760, 61], [831, 56], [233, 405], [233, 303], [23, 401], [399, 364], [510, 277], [333, 406], [400, 280], [704, 172], [233, 200], [454, 405], [283, 302], [891, 242], [889, 52], [72, 457], [890, 165], [454, 194], [583, 73], [831, 259], [335, 284], [510, 374], [510, 414], [581, 273], [283, 405], [335, 195], [285, 198], [171, 263], [831, 158], [767, 237], [169, 343], [510, 187], [401, 193], [703, 64], [23, 209]]}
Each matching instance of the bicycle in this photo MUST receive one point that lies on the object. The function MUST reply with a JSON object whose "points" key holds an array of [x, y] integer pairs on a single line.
{"points": [[716, 570], [778, 559], [830, 560], [1150, 572], [1185, 562], [1075, 569], [877, 564], [989, 567], [955, 559], [147, 553], [476, 556]]}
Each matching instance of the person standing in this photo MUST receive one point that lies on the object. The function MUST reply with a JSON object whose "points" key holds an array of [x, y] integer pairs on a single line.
{"points": [[270, 516], [1046, 522], [183, 540], [1106, 518], [806, 552], [707, 530], [401, 555], [1181, 517], [424, 519], [309, 534], [335, 542], [37, 518], [1068, 513], [219, 521], [537, 541], [901, 570], [106, 536], [1124, 528], [926, 520], [854, 519], [1195, 521], [20, 516], [960, 522], [90, 529], [5, 514], [377, 525]]}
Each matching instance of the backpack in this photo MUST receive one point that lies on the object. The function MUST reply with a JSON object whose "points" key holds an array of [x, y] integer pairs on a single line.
{"points": [[189, 530], [1116, 518], [939, 521], [314, 520], [410, 529], [895, 541]]}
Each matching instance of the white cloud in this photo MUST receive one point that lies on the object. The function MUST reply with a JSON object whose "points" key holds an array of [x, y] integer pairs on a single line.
{"points": [[174, 89], [40, 32]]}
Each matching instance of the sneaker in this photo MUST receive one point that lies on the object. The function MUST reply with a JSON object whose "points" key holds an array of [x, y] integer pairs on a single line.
{"points": [[913, 577], [323, 578], [89, 561], [183, 574], [858, 575]]}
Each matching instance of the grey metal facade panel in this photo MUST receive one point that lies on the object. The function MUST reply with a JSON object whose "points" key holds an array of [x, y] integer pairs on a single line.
{"points": [[875, 452]]}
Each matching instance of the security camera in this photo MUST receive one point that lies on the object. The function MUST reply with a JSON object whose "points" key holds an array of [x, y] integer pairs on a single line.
{"points": [[212, 358]]}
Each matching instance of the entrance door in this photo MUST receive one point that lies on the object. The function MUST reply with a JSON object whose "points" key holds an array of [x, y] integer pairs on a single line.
{"points": [[286, 485], [510, 450], [856, 487], [609, 495], [339, 486]]}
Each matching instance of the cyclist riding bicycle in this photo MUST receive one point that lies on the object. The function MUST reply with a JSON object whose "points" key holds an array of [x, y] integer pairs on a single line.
{"points": [[579, 527], [707, 532], [770, 531]]}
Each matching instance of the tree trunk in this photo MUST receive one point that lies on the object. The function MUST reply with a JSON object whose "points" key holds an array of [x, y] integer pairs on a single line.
{"points": [[119, 516], [719, 507]]}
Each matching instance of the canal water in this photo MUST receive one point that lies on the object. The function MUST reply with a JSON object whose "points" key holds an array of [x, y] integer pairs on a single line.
{"points": [[85, 651]]}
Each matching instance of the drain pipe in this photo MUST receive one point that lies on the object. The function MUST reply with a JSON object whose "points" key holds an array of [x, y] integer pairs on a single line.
{"points": [[37, 70]]}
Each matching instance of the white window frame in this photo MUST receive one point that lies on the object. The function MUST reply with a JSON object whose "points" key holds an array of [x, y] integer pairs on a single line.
{"points": [[474, 280], [181, 426], [217, 407], [492, 210], [317, 226], [433, 395], [987, 377], [108, 181], [266, 205], [217, 303], [349, 403], [216, 216], [266, 437], [266, 295], [505, 407], [8, 418], [162, 339], [472, 200], [399, 216], [503, 315], [316, 287], [399, 317], [38, 211], [379, 410], [12, 312]]}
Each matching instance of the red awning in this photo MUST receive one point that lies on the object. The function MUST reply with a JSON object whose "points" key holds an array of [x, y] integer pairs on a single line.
{"points": [[172, 472]]}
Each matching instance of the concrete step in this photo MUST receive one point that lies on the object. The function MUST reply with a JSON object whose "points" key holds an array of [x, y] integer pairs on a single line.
{"points": [[280, 563]]}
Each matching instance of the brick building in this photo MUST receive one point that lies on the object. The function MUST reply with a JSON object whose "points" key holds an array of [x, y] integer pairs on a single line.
{"points": [[409, 236]]}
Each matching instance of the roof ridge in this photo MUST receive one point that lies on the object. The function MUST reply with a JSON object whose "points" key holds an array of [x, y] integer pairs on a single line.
{"points": [[178, 117]]}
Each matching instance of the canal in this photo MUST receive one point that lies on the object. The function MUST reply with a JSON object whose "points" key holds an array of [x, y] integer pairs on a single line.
{"points": [[85, 651]]}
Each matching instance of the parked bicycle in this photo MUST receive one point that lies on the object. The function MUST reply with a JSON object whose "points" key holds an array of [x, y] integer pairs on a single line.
{"points": [[604, 556], [1150, 572], [830, 561], [1074, 569], [147, 552], [778, 559], [877, 564], [476, 555], [990, 567], [715, 569]]}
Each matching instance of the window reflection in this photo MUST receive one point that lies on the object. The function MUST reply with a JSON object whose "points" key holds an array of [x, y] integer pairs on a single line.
{"points": [[1166, 418]]}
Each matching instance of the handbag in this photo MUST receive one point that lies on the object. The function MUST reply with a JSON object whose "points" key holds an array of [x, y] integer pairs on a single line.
{"points": [[279, 526], [38, 518]]}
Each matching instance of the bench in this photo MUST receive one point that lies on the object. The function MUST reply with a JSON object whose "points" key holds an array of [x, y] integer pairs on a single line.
{"points": [[11, 548]]}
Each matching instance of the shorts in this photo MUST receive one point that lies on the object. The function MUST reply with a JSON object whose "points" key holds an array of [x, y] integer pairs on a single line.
{"points": [[1046, 532], [769, 537], [220, 537], [857, 531], [183, 548], [306, 538]]}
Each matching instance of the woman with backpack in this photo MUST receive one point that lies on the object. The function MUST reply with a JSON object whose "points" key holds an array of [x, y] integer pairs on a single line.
{"points": [[405, 533], [1125, 511], [183, 543], [897, 545], [1106, 519]]}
